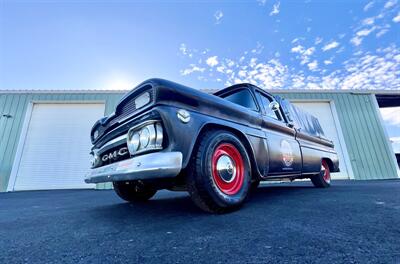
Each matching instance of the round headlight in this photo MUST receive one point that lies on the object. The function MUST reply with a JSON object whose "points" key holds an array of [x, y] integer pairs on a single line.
{"points": [[133, 142], [95, 134], [144, 137]]}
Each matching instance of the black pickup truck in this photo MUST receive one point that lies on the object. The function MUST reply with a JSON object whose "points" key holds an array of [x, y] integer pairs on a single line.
{"points": [[218, 147]]}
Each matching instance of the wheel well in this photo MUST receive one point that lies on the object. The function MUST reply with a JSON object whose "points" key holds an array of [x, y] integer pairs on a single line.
{"points": [[329, 162], [254, 171]]}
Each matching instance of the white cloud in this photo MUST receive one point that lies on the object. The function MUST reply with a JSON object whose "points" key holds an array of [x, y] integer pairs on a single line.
{"points": [[390, 4], [391, 115], [242, 73], [275, 9], [356, 41], [378, 69], [361, 34], [218, 16], [258, 49], [309, 51], [368, 6], [365, 32], [193, 68], [221, 69], [396, 19], [297, 49], [304, 54], [368, 21], [381, 32], [253, 62], [340, 50], [317, 40], [330, 45], [183, 49], [378, 24], [262, 2], [395, 139], [313, 66], [212, 61], [230, 63], [395, 144]]}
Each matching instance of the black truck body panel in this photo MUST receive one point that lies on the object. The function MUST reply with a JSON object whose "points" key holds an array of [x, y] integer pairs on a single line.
{"points": [[266, 140]]}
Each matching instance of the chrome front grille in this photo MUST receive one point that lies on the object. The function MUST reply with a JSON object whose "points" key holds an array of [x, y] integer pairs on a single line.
{"points": [[113, 151], [115, 154], [133, 142]]}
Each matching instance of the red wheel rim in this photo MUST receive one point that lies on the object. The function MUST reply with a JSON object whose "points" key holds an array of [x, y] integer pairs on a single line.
{"points": [[227, 169], [327, 173]]}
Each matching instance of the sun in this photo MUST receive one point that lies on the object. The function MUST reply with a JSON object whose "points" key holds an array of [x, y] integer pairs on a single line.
{"points": [[120, 84]]}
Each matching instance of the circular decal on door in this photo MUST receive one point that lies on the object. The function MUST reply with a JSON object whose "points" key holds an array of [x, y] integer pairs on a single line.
{"points": [[287, 153]]}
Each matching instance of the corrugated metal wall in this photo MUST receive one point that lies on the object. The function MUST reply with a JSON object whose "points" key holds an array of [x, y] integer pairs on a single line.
{"points": [[16, 104], [368, 149]]}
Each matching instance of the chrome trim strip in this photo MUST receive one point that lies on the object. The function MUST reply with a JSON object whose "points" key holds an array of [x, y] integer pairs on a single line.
{"points": [[159, 135], [144, 123], [146, 150], [149, 166], [112, 143]]}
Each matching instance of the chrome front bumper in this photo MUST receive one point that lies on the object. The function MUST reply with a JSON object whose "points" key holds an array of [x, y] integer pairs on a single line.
{"points": [[148, 166]]}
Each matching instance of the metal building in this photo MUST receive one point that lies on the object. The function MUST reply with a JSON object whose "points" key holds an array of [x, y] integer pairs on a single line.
{"points": [[44, 135]]}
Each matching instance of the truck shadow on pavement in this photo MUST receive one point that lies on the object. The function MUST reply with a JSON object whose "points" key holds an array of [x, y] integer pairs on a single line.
{"points": [[179, 203]]}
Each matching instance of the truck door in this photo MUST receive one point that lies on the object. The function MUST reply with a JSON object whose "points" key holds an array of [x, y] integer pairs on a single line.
{"points": [[283, 148]]}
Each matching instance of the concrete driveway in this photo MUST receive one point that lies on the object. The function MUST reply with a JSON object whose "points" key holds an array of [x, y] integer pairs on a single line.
{"points": [[352, 222]]}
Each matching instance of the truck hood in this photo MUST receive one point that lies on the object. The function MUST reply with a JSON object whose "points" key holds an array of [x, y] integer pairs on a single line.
{"points": [[164, 92]]}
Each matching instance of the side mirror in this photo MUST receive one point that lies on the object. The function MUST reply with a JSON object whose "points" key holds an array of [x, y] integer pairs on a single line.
{"points": [[274, 105]]}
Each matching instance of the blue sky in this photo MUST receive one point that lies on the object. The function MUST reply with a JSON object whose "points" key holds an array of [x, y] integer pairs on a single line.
{"points": [[325, 44], [204, 44]]}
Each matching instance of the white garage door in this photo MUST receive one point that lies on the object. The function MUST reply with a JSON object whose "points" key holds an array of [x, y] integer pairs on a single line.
{"points": [[323, 111], [55, 151]]}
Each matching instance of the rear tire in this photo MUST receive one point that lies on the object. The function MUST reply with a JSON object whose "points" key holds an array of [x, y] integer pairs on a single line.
{"points": [[323, 179], [133, 191], [219, 175]]}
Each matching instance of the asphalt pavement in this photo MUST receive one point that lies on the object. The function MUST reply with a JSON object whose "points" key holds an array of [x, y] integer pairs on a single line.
{"points": [[351, 222]]}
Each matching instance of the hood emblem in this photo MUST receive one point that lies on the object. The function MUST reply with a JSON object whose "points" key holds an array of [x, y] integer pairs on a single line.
{"points": [[183, 115]]}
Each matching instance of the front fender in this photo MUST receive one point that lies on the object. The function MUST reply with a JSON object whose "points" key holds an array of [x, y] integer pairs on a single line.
{"points": [[183, 136]]}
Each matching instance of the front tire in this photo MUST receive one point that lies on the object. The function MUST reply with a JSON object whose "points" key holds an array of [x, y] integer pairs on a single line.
{"points": [[219, 176], [134, 191], [323, 179], [254, 185]]}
